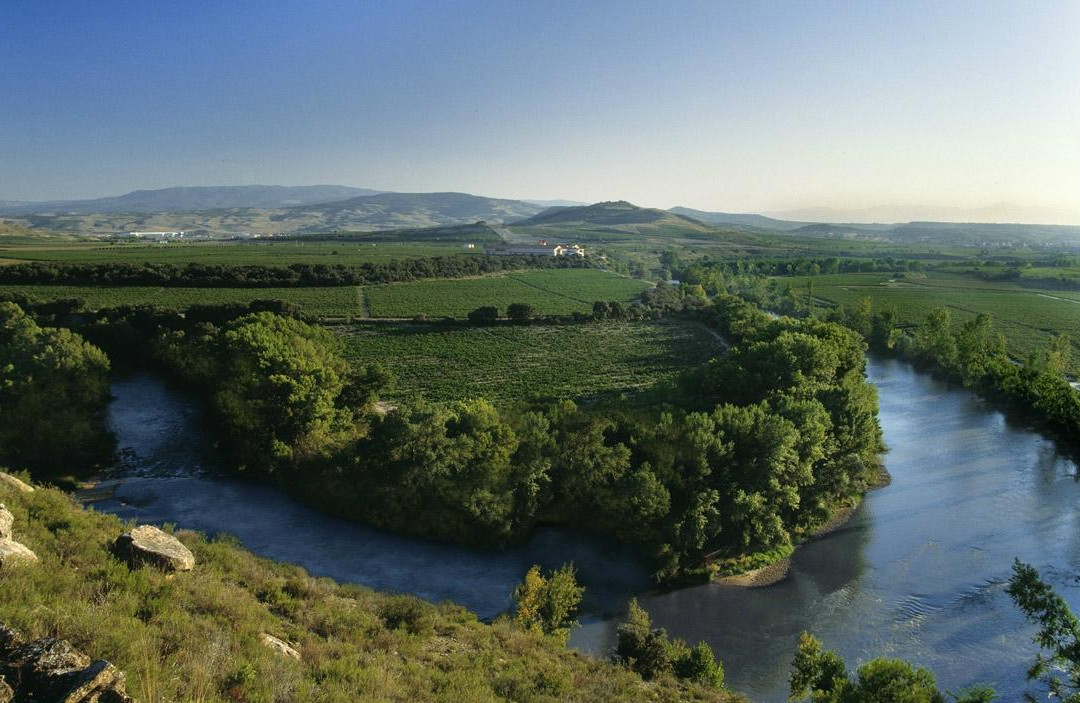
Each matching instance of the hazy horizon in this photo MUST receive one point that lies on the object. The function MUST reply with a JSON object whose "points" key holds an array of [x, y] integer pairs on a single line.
{"points": [[780, 108]]}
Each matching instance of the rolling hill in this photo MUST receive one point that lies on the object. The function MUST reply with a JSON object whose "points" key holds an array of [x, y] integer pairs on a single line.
{"points": [[737, 219], [391, 210], [615, 214]]}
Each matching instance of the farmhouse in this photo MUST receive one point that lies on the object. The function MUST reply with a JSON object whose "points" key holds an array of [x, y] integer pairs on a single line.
{"points": [[541, 249]]}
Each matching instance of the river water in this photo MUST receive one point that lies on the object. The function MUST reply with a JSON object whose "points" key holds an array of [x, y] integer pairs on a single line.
{"points": [[919, 572]]}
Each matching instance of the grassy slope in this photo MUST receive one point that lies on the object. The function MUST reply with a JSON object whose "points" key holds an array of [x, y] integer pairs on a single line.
{"points": [[509, 362], [196, 636]]}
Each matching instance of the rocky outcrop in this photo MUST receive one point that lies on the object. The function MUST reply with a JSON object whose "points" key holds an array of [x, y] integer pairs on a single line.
{"points": [[11, 552], [279, 645], [12, 482], [49, 669], [6, 521], [147, 544]]}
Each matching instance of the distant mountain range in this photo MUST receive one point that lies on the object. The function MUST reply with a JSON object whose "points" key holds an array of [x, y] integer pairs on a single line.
{"points": [[300, 210], [902, 214], [192, 199], [388, 210]]}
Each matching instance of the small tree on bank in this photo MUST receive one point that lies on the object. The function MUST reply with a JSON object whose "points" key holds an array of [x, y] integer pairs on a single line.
{"points": [[548, 604]]}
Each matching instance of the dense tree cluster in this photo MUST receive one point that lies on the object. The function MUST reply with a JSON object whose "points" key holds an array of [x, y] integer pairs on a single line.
{"points": [[774, 437], [705, 271], [195, 275], [53, 391]]}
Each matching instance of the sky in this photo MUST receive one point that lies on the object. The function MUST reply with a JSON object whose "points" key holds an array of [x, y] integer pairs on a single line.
{"points": [[733, 106]]}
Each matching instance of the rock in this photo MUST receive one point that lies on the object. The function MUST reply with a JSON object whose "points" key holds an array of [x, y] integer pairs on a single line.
{"points": [[147, 544], [12, 482], [280, 646], [13, 553], [6, 521], [49, 669]]}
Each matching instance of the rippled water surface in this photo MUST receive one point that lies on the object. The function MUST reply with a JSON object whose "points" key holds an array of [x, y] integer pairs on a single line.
{"points": [[918, 572]]}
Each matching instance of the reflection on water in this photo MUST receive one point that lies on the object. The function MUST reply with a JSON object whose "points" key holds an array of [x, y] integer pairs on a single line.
{"points": [[920, 570], [918, 573]]}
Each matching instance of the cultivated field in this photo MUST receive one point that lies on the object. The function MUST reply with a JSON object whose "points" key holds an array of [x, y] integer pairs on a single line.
{"points": [[1028, 317], [509, 362], [550, 292]]}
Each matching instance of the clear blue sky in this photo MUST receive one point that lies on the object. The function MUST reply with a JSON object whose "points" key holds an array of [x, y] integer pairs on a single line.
{"points": [[738, 106]]}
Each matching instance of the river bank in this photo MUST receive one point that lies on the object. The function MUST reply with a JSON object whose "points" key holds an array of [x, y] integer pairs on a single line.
{"points": [[916, 571]]}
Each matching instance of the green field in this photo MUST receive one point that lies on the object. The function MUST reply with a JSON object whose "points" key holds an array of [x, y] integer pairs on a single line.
{"points": [[509, 362], [1028, 317], [550, 292], [337, 301], [263, 252]]}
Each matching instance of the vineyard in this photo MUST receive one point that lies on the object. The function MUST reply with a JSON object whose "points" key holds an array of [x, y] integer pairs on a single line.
{"points": [[509, 362], [337, 301], [550, 292], [1027, 317]]}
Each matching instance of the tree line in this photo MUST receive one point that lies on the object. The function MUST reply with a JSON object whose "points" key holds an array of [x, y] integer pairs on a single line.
{"points": [[973, 353], [196, 275]]}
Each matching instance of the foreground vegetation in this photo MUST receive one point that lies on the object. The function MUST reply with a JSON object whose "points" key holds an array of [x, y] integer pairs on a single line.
{"points": [[197, 636]]}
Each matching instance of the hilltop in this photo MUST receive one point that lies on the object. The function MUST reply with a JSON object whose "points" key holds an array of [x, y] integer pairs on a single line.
{"points": [[617, 219]]}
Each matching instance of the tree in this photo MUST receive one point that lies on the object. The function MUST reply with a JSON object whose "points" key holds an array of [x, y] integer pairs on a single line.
{"points": [[647, 650], [484, 315], [548, 604], [53, 390], [520, 312], [1059, 632], [934, 339], [279, 389], [820, 676]]}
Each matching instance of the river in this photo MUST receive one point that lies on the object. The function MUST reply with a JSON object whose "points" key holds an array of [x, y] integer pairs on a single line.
{"points": [[919, 572]]}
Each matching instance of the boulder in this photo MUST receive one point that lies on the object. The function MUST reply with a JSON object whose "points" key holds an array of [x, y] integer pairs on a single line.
{"points": [[147, 544], [280, 646], [12, 482], [6, 521], [49, 669], [12, 553]]}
